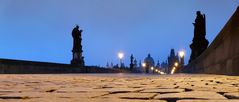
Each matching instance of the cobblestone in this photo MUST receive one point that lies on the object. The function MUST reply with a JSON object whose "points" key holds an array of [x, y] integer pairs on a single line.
{"points": [[118, 88]]}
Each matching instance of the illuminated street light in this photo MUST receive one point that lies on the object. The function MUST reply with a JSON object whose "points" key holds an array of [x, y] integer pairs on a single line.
{"points": [[162, 73], [152, 68], [176, 64], [181, 54], [120, 55], [173, 70], [144, 65]]}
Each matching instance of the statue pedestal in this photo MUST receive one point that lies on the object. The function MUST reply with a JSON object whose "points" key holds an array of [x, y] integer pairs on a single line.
{"points": [[77, 62]]}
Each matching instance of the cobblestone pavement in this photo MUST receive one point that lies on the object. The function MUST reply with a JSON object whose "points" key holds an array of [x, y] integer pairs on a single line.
{"points": [[118, 88]]}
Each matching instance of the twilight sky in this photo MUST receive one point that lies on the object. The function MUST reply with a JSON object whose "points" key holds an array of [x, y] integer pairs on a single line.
{"points": [[40, 30]]}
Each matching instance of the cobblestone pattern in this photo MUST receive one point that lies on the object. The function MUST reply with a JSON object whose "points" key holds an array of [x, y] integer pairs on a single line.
{"points": [[118, 88]]}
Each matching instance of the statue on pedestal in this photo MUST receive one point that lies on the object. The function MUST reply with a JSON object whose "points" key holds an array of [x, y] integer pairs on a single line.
{"points": [[77, 59], [200, 43], [131, 62]]}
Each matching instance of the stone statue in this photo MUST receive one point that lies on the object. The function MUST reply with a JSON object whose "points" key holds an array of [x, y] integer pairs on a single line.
{"points": [[200, 25], [76, 34], [200, 43], [131, 62], [77, 59]]}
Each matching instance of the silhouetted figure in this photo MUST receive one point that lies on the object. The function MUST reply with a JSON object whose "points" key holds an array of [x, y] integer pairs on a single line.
{"points": [[131, 62], [200, 43], [77, 59]]}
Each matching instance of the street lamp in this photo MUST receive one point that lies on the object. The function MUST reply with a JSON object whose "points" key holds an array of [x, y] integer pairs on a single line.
{"points": [[162, 73], [144, 65], [152, 68], [173, 70], [120, 55], [176, 64], [181, 55]]}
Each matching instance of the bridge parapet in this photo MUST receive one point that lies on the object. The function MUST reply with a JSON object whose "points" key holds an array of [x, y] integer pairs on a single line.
{"points": [[222, 56]]}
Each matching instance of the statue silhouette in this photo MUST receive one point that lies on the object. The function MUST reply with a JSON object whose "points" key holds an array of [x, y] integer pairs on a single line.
{"points": [[77, 59], [131, 62], [200, 43]]}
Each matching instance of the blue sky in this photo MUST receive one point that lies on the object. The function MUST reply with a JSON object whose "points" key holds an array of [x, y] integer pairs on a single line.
{"points": [[40, 30]]}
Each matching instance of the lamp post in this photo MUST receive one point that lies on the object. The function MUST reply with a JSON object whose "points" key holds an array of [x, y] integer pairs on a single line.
{"points": [[181, 55], [176, 64], [144, 65], [152, 68], [156, 70], [120, 55]]}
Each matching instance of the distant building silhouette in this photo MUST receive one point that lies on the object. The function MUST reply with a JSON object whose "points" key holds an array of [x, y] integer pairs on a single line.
{"points": [[172, 58], [164, 66], [158, 64], [139, 67], [135, 63], [111, 65], [149, 61], [116, 66], [200, 43], [107, 65], [78, 59]]}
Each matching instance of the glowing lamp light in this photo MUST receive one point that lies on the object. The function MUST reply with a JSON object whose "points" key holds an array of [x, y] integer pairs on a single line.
{"points": [[181, 54], [152, 68], [120, 55], [144, 64], [173, 70], [162, 73], [176, 64]]}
